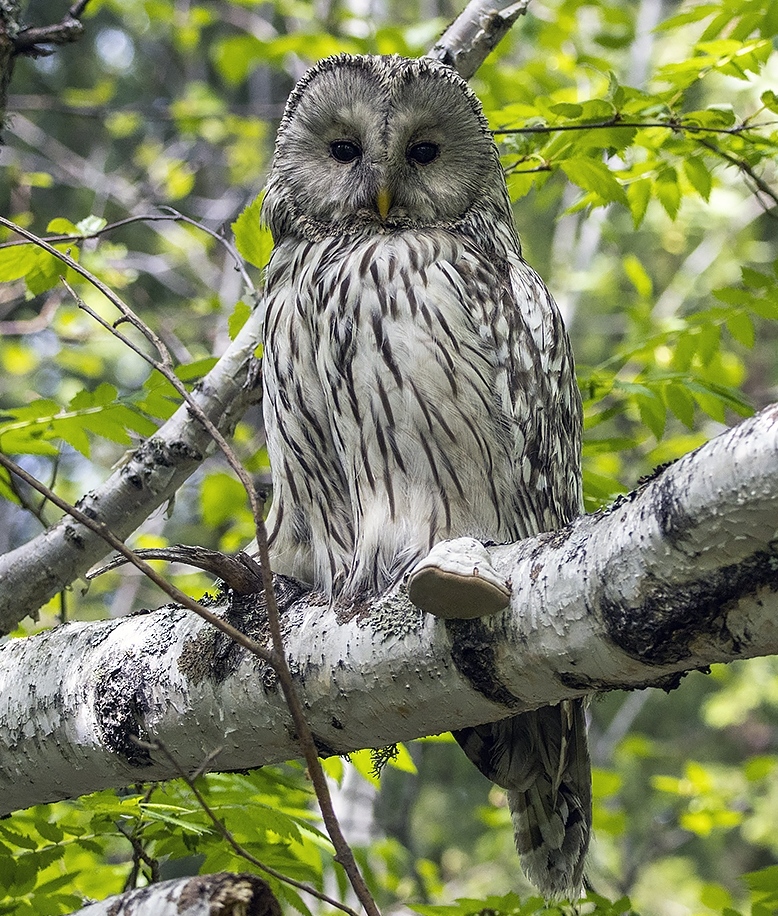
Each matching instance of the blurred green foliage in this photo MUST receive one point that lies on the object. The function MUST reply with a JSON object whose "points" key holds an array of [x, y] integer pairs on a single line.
{"points": [[640, 143]]}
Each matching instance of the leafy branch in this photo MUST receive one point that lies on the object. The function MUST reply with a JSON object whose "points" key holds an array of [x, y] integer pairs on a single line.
{"points": [[677, 125]]}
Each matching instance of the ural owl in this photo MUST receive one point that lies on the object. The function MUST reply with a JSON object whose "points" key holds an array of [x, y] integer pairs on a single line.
{"points": [[418, 381]]}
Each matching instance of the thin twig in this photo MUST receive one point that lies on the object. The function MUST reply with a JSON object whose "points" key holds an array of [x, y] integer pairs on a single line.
{"points": [[226, 833], [139, 855], [115, 300], [744, 167], [95, 234], [610, 123]]}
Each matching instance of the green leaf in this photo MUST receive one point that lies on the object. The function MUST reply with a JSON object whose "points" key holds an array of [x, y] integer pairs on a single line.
{"points": [[188, 372], [61, 226], [16, 262], [638, 196], [699, 176], [680, 402], [638, 276], [741, 327], [764, 881], [652, 413], [668, 192], [770, 100], [240, 315], [594, 176], [220, 496], [253, 240]]}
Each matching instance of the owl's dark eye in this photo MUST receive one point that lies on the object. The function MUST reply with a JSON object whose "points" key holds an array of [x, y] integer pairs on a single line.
{"points": [[423, 153], [345, 150]]}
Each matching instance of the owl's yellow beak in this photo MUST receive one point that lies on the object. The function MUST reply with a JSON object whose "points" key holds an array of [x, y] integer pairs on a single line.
{"points": [[383, 202]]}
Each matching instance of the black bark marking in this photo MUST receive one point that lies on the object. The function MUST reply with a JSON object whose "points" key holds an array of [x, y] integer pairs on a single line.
{"points": [[121, 703], [674, 522], [473, 654], [670, 617]]}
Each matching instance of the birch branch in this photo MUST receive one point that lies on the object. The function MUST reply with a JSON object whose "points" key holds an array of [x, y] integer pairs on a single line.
{"points": [[681, 574], [221, 893], [475, 33]]}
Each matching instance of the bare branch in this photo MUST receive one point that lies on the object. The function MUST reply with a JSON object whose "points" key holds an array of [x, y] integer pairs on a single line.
{"points": [[476, 32], [30, 42]]}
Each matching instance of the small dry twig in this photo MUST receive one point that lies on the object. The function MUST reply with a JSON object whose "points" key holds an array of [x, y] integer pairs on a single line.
{"points": [[30, 42]]}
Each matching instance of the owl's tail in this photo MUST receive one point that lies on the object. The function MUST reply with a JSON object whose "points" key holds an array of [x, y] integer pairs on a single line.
{"points": [[542, 759]]}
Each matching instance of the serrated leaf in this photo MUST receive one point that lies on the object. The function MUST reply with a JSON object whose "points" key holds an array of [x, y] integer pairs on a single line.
{"points": [[22, 442], [741, 327], [710, 403], [72, 431], [195, 370], [240, 315], [668, 192], [638, 196], [756, 278], [594, 176], [567, 109], [692, 14], [252, 239], [680, 402], [101, 396], [699, 176], [652, 414]]}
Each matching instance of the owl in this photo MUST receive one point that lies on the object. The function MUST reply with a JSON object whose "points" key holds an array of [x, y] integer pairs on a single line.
{"points": [[418, 382]]}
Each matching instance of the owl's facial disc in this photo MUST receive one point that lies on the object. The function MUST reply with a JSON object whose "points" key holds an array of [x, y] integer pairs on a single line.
{"points": [[385, 143]]}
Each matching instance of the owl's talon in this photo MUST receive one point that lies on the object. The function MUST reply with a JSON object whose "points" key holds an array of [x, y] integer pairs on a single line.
{"points": [[456, 580]]}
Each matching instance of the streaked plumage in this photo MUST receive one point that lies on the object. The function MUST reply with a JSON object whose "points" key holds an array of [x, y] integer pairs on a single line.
{"points": [[418, 381]]}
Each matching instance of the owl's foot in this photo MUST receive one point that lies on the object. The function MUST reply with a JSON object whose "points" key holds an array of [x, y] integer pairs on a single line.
{"points": [[456, 580]]}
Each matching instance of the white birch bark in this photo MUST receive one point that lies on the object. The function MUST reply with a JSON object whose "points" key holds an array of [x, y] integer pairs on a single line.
{"points": [[220, 894], [679, 575], [476, 32]]}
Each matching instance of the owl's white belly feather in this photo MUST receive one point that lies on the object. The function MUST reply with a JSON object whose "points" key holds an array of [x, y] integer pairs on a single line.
{"points": [[406, 363]]}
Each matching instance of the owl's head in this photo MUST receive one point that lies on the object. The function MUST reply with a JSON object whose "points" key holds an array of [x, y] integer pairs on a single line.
{"points": [[377, 144]]}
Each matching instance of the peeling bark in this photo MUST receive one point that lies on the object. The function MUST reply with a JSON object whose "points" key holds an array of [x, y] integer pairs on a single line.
{"points": [[220, 894], [679, 575]]}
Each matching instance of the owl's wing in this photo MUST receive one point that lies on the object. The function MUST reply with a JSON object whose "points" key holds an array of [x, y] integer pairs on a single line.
{"points": [[545, 404], [540, 757]]}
